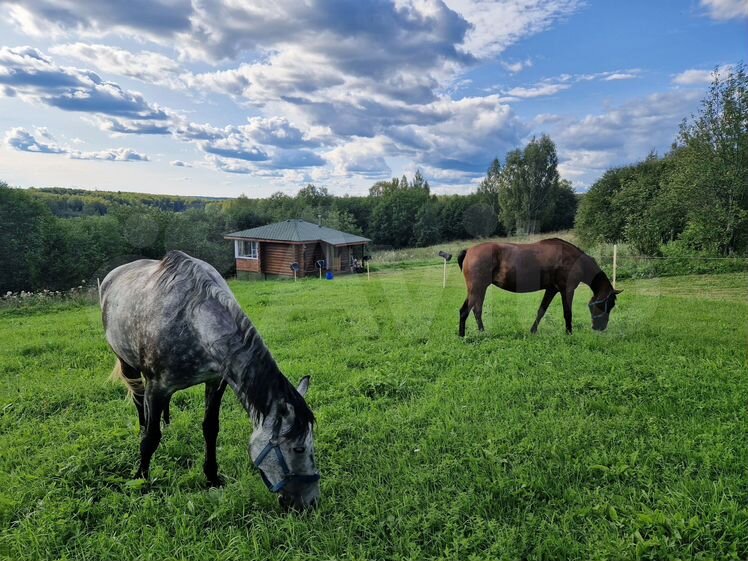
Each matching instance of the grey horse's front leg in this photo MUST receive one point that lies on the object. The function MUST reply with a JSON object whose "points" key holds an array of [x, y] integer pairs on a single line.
{"points": [[213, 395], [167, 412]]}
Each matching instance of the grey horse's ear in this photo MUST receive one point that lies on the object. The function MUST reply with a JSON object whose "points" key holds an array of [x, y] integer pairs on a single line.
{"points": [[303, 386]]}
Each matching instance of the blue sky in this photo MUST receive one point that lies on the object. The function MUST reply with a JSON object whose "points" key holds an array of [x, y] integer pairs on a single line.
{"points": [[220, 98]]}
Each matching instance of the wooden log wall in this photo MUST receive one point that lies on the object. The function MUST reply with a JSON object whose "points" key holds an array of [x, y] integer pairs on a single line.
{"points": [[277, 257]]}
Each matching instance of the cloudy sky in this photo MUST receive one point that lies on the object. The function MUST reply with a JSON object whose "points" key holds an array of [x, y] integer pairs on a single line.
{"points": [[223, 97]]}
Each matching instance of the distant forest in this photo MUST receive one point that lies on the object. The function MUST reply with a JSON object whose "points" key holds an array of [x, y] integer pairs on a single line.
{"points": [[58, 238]]}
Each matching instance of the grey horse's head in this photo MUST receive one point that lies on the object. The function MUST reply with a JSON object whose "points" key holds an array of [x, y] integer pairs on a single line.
{"points": [[286, 459]]}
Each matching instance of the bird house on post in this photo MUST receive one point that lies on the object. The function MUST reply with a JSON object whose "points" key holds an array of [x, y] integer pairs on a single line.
{"points": [[321, 265], [446, 256], [366, 259], [295, 268]]}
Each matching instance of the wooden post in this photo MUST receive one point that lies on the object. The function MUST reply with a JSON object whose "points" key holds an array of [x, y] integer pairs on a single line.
{"points": [[444, 281], [294, 275], [615, 262], [368, 276]]}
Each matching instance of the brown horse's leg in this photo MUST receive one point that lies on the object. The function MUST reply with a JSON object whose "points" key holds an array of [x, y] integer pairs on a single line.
{"points": [[155, 401], [567, 298], [464, 313], [477, 305], [213, 395], [550, 293]]}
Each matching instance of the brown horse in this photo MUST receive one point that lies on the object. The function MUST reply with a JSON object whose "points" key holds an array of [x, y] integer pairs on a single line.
{"points": [[553, 265]]}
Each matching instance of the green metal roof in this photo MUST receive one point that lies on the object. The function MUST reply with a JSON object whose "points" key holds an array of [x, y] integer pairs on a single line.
{"points": [[298, 231]]}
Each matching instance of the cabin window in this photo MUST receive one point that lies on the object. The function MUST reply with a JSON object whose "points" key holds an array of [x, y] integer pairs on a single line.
{"points": [[248, 249]]}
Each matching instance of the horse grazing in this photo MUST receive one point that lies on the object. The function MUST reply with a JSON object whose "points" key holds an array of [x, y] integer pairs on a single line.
{"points": [[173, 324], [553, 265]]}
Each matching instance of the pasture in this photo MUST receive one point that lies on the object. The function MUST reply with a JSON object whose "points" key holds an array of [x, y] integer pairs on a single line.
{"points": [[628, 444]]}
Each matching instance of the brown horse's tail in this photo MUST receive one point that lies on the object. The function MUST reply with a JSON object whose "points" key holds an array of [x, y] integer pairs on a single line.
{"points": [[461, 258], [134, 384]]}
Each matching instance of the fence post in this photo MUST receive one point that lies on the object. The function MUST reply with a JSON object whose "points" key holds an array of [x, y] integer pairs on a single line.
{"points": [[615, 262], [444, 282]]}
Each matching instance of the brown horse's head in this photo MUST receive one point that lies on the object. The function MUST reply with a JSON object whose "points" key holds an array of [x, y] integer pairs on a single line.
{"points": [[600, 308]]}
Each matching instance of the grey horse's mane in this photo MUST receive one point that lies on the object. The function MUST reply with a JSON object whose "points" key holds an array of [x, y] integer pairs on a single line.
{"points": [[261, 380]]}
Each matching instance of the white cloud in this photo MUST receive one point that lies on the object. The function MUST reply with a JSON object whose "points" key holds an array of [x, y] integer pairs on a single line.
{"points": [[695, 77], [620, 76], [726, 9], [539, 90], [42, 142], [157, 20], [493, 126], [516, 67], [145, 66], [361, 156], [229, 166], [496, 25], [112, 154], [27, 72], [556, 84]]}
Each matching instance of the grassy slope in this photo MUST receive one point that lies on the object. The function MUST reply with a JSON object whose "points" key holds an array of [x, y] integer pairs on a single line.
{"points": [[626, 444]]}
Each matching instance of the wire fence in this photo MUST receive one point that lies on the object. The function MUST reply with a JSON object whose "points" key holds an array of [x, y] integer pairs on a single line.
{"points": [[620, 264]]}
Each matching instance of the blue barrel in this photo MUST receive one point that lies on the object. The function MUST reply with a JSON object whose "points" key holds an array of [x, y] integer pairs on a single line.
{"points": [[329, 275]]}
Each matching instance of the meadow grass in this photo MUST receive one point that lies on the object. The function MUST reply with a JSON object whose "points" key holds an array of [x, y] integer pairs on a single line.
{"points": [[628, 444]]}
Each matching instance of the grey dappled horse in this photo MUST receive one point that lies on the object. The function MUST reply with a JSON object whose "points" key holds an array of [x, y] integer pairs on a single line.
{"points": [[173, 324]]}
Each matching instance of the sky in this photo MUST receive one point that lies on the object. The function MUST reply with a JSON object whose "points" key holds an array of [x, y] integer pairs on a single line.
{"points": [[228, 97]]}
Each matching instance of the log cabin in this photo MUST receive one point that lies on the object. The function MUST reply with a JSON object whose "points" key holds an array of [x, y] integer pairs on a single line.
{"points": [[269, 251]]}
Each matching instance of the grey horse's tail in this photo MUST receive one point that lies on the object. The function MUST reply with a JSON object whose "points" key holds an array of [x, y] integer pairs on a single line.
{"points": [[461, 258], [134, 385]]}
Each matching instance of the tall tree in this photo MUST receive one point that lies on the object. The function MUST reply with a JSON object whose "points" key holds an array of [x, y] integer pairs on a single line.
{"points": [[395, 212], [711, 168], [529, 185]]}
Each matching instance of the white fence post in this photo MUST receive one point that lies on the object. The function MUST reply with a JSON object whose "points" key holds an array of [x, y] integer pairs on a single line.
{"points": [[615, 262]]}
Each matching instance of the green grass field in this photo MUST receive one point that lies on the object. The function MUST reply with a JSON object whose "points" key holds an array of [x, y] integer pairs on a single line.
{"points": [[630, 444]]}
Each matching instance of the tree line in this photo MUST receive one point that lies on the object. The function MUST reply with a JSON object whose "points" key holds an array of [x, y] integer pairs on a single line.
{"points": [[694, 198], [59, 238]]}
